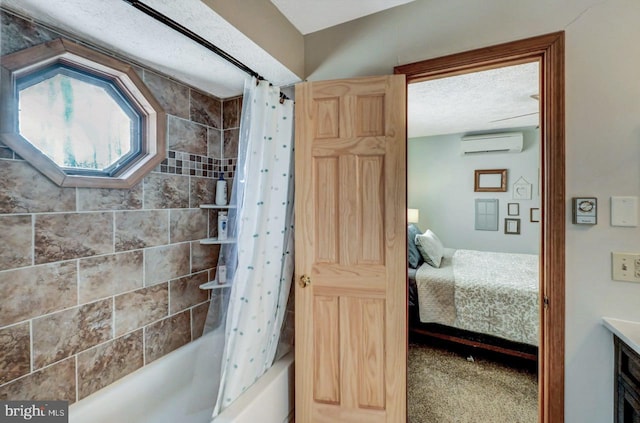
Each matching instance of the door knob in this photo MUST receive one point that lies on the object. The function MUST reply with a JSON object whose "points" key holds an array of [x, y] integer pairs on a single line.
{"points": [[305, 281]]}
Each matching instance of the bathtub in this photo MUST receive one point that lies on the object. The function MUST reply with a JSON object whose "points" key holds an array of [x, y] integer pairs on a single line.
{"points": [[181, 387]]}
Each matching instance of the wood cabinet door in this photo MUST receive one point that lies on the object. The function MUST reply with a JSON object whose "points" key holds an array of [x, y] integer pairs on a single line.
{"points": [[350, 236]]}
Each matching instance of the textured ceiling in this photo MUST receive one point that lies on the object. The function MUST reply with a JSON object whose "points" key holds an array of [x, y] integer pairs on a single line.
{"points": [[313, 15], [119, 27], [474, 102], [495, 99]]}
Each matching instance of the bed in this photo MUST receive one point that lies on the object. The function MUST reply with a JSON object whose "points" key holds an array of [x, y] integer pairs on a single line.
{"points": [[484, 299]]}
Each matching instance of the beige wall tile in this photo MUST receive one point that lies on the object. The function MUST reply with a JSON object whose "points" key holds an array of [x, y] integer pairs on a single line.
{"points": [[162, 191], [214, 143], [141, 307], [230, 150], [185, 292], [16, 247], [217, 312], [187, 136], [25, 190], [198, 319], [110, 199], [72, 235], [106, 363], [164, 263], [206, 110], [60, 335], [57, 382], [172, 96], [140, 229], [231, 112], [167, 335], [203, 191], [108, 275], [15, 352], [203, 256], [188, 224], [27, 34], [34, 291]]}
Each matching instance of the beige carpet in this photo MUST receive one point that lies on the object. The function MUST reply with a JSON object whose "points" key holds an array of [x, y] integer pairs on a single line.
{"points": [[444, 387]]}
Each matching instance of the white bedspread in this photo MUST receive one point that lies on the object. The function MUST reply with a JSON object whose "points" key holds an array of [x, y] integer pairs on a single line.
{"points": [[485, 292]]}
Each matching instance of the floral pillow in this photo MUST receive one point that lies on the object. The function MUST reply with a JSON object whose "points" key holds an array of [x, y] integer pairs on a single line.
{"points": [[430, 247]]}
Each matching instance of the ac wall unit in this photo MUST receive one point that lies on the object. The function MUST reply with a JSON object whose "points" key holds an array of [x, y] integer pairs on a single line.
{"points": [[507, 142]]}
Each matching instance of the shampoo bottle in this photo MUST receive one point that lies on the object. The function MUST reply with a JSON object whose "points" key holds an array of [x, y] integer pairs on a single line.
{"points": [[221, 191], [222, 225], [222, 271]]}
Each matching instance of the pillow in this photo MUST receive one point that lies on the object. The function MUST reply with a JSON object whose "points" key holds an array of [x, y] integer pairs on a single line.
{"points": [[430, 248], [415, 259]]}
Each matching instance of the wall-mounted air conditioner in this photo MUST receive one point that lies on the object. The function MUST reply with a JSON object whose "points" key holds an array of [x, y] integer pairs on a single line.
{"points": [[506, 142]]}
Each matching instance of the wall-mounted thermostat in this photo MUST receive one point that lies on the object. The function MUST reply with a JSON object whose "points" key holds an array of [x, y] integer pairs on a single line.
{"points": [[585, 210]]}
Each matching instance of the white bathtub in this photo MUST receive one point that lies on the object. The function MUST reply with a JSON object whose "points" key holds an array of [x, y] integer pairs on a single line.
{"points": [[181, 387]]}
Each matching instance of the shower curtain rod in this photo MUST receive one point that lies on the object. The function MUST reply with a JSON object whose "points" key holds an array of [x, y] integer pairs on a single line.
{"points": [[193, 36], [198, 39]]}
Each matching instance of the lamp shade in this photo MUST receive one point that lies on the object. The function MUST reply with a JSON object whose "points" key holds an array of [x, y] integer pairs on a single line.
{"points": [[413, 215]]}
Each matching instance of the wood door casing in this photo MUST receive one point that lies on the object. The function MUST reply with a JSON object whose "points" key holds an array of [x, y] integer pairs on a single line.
{"points": [[549, 51], [350, 240]]}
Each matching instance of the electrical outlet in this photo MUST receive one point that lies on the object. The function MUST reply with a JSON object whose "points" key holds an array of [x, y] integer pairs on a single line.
{"points": [[626, 267]]}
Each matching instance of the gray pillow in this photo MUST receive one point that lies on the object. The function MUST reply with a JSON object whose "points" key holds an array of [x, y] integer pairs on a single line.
{"points": [[414, 256]]}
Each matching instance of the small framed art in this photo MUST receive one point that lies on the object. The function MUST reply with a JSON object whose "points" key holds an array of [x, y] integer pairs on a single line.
{"points": [[522, 189], [513, 209], [512, 226], [534, 215]]}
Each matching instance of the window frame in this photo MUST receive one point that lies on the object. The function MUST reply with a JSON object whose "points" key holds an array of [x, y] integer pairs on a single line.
{"points": [[18, 65]]}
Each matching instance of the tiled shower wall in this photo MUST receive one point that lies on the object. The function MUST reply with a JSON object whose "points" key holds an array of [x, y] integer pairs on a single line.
{"points": [[96, 283]]}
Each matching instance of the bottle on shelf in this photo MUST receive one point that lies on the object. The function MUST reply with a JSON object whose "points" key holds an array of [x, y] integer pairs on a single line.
{"points": [[222, 271], [221, 191], [222, 225]]}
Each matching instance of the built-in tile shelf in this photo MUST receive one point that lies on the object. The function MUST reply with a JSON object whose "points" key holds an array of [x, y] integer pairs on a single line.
{"points": [[215, 206], [214, 285], [209, 241], [626, 330]]}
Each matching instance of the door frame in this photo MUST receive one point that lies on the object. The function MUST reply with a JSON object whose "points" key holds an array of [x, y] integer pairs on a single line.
{"points": [[549, 51]]}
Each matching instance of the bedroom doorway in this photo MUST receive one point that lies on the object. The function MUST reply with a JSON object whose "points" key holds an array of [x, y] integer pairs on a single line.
{"points": [[546, 53]]}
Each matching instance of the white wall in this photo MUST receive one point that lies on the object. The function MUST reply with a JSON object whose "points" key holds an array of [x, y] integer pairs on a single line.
{"points": [[440, 184], [602, 138]]}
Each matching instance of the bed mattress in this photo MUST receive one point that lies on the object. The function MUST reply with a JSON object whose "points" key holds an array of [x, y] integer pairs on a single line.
{"points": [[484, 292]]}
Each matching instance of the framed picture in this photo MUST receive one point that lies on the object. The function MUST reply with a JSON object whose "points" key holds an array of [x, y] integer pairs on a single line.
{"points": [[486, 214], [513, 209], [522, 190], [490, 180], [534, 214], [512, 226]]}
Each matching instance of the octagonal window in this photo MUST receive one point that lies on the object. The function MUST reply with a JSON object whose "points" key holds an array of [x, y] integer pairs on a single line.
{"points": [[80, 117], [81, 122]]}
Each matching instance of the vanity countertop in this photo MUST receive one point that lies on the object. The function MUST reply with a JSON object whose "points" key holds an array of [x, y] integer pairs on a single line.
{"points": [[626, 330]]}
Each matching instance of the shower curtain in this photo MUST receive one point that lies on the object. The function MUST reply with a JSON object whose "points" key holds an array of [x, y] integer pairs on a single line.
{"points": [[263, 256]]}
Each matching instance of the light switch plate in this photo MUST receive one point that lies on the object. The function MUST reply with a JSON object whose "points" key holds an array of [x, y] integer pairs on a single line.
{"points": [[624, 211], [625, 267]]}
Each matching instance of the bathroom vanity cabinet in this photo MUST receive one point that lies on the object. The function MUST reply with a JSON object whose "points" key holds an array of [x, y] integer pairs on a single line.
{"points": [[627, 384], [626, 342]]}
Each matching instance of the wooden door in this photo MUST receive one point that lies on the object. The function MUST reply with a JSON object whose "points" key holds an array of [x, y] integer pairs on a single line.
{"points": [[350, 329]]}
